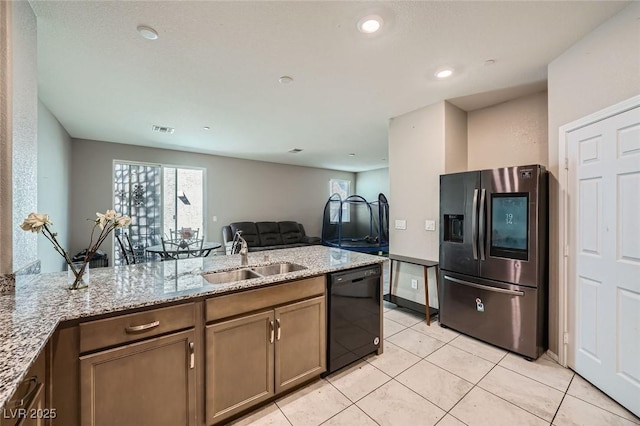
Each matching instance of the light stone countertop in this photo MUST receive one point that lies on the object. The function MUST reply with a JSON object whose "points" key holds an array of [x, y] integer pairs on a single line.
{"points": [[29, 317]]}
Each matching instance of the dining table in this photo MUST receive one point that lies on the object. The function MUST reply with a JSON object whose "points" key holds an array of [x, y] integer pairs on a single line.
{"points": [[193, 251]]}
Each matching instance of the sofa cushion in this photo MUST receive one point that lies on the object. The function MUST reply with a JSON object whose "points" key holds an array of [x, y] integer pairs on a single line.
{"points": [[269, 233], [290, 232], [249, 232]]}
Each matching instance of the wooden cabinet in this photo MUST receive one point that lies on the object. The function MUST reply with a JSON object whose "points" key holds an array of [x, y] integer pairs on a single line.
{"points": [[239, 364], [147, 383], [256, 356], [149, 379], [28, 405], [300, 351]]}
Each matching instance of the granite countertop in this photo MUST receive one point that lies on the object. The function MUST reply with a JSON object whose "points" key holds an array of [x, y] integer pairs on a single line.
{"points": [[29, 317]]}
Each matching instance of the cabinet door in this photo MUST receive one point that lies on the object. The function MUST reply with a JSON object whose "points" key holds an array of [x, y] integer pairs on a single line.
{"points": [[148, 383], [239, 364], [300, 342]]}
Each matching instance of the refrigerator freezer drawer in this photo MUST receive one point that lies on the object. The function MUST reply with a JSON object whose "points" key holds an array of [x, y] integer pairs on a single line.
{"points": [[504, 315]]}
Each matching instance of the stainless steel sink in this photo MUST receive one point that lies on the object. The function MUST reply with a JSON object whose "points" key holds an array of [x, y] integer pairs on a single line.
{"points": [[247, 273], [230, 276], [277, 268]]}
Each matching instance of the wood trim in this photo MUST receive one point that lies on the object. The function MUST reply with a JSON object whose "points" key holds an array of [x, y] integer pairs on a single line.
{"points": [[263, 298], [65, 374], [6, 140]]}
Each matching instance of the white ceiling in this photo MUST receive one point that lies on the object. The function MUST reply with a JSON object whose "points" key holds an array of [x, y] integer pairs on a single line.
{"points": [[217, 64]]}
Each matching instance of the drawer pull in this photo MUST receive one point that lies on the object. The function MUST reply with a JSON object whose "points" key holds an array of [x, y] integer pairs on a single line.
{"points": [[28, 396], [143, 327], [192, 356], [485, 287], [271, 331], [278, 322]]}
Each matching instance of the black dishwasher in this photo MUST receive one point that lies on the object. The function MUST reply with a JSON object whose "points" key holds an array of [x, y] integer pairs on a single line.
{"points": [[353, 315]]}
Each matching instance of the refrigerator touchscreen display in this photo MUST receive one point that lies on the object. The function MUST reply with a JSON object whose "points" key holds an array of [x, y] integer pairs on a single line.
{"points": [[509, 225]]}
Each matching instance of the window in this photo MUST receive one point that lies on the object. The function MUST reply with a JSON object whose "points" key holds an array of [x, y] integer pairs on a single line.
{"points": [[158, 199], [342, 188], [183, 195]]}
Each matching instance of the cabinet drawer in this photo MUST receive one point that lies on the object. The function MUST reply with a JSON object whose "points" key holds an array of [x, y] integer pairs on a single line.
{"points": [[128, 328], [268, 297]]}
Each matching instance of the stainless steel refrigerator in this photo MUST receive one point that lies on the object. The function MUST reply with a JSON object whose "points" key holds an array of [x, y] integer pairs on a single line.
{"points": [[493, 256]]}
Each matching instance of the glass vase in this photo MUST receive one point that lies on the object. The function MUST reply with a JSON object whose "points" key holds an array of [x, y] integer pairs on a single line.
{"points": [[82, 279]]}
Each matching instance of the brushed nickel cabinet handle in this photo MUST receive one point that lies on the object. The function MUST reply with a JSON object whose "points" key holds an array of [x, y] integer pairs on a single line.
{"points": [[278, 323], [28, 396], [143, 327], [192, 355], [271, 332]]}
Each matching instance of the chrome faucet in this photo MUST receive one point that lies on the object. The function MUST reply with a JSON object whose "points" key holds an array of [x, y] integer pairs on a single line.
{"points": [[244, 248]]}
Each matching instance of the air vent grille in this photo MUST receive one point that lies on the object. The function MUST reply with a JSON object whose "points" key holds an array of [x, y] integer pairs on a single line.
{"points": [[295, 150], [163, 129]]}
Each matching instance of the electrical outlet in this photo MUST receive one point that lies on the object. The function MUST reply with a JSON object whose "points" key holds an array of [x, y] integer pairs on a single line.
{"points": [[430, 225], [414, 284], [401, 224]]}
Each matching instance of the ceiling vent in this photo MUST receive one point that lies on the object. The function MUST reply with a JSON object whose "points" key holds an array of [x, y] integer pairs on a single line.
{"points": [[163, 129], [295, 150]]}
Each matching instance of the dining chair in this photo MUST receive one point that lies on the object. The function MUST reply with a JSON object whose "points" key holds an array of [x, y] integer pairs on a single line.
{"points": [[128, 253], [184, 234], [181, 249]]}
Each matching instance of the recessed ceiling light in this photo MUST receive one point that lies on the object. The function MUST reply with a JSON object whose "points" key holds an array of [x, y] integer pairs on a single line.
{"points": [[370, 24], [444, 72], [352, 155], [295, 150], [206, 128], [489, 62], [147, 32], [285, 79]]}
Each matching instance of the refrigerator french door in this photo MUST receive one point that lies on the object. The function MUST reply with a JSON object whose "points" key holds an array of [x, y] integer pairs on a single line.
{"points": [[493, 256]]}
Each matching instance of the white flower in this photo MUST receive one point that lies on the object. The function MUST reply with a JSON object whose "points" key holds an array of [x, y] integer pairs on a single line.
{"points": [[35, 221], [101, 220], [110, 215], [123, 221]]}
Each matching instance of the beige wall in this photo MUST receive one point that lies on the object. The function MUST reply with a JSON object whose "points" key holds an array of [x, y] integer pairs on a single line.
{"points": [[236, 189], [600, 70], [6, 137], [513, 133], [455, 134], [25, 128], [416, 161], [371, 183], [54, 168], [19, 118]]}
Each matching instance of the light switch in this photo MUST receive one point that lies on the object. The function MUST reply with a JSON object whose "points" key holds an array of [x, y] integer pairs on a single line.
{"points": [[430, 225], [401, 224], [215, 218], [414, 284]]}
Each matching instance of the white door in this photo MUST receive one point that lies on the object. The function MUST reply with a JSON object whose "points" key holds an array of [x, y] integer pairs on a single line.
{"points": [[604, 274]]}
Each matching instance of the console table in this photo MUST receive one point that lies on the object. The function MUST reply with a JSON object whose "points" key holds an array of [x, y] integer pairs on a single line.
{"points": [[405, 303]]}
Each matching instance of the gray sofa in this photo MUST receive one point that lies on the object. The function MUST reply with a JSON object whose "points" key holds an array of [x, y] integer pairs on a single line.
{"points": [[268, 235]]}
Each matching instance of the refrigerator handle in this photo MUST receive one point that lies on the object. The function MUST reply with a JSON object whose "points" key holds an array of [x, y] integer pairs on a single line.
{"points": [[485, 287], [474, 225], [483, 209]]}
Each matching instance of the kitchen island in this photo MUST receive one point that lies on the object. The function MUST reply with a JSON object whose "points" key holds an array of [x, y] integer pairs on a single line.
{"points": [[42, 303]]}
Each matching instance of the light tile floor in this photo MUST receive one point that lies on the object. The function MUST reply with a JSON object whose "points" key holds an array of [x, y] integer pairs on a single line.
{"points": [[433, 375]]}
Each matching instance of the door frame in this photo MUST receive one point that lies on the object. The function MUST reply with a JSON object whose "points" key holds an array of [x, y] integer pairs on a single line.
{"points": [[566, 252]]}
